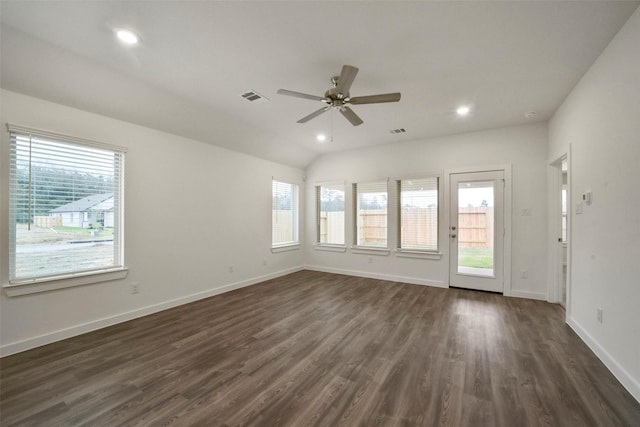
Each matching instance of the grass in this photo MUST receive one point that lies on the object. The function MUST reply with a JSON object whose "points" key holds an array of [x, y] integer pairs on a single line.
{"points": [[475, 257]]}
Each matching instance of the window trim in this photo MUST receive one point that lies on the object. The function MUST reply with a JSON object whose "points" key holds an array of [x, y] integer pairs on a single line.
{"points": [[334, 247], [329, 247], [356, 248], [25, 286], [53, 283], [415, 252], [294, 244]]}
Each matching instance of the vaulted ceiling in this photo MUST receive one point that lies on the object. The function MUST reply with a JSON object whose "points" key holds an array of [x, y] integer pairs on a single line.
{"points": [[195, 59]]}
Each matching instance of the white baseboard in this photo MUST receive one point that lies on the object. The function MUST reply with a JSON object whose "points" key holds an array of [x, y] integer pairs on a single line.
{"points": [[527, 294], [370, 275], [17, 347], [618, 371]]}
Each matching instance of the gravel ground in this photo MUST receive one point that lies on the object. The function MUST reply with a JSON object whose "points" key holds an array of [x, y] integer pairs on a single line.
{"points": [[46, 252]]}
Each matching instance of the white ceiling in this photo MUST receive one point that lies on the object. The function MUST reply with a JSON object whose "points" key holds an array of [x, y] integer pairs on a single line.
{"points": [[196, 58]]}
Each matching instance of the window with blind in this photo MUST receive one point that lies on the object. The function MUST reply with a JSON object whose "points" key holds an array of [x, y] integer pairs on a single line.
{"points": [[284, 214], [418, 214], [65, 200], [370, 201], [330, 214]]}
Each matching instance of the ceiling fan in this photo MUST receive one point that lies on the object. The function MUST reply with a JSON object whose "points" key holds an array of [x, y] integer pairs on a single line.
{"points": [[338, 97]]}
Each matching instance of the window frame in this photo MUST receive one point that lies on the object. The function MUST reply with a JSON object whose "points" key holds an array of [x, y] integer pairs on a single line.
{"points": [[27, 285], [418, 252], [357, 247], [318, 205], [295, 218]]}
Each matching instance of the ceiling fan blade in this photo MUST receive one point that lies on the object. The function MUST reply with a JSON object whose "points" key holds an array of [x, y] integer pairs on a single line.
{"points": [[351, 116], [347, 75], [314, 114], [375, 99], [300, 95]]}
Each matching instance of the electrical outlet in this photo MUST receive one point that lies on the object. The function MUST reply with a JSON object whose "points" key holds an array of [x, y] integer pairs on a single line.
{"points": [[524, 274], [264, 261], [135, 288], [599, 314], [231, 269], [370, 260]]}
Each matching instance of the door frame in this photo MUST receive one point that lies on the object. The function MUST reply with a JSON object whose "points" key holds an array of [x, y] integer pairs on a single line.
{"points": [[506, 169], [554, 289]]}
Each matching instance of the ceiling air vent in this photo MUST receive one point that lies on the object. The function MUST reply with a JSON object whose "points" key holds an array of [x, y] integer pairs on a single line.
{"points": [[253, 96], [397, 131]]}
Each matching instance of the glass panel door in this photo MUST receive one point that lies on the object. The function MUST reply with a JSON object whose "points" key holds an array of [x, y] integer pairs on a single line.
{"points": [[476, 228]]}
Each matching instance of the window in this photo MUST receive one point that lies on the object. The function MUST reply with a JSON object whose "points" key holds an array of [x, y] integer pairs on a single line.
{"points": [[330, 214], [418, 214], [284, 214], [370, 200], [65, 201]]}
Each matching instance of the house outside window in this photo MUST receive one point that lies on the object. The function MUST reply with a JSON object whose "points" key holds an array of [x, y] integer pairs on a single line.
{"points": [[330, 214], [284, 214], [370, 222], [418, 214], [56, 182]]}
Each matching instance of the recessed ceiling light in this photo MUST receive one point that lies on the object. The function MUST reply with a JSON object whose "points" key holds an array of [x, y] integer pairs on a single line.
{"points": [[321, 138], [127, 36], [463, 110]]}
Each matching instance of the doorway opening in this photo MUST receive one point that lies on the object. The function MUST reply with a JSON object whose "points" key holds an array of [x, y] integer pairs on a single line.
{"points": [[476, 231], [560, 224]]}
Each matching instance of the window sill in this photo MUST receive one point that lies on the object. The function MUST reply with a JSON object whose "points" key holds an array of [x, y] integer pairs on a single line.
{"points": [[61, 282], [330, 248], [405, 253], [284, 248], [370, 250]]}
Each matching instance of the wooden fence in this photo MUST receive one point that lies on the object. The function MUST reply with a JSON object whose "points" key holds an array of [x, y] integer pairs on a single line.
{"points": [[281, 226], [418, 229], [373, 227], [475, 227], [47, 221], [332, 227]]}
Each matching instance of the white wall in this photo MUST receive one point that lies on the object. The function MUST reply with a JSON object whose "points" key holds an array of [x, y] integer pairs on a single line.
{"points": [[523, 147], [191, 211], [600, 119]]}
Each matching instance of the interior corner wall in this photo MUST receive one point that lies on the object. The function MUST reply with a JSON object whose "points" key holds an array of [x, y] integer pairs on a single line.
{"points": [[191, 211], [523, 147], [600, 121]]}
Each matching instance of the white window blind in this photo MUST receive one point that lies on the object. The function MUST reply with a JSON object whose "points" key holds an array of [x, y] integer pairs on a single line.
{"points": [[418, 214], [330, 214], [370, 201], [284, 213], [65, 201]]}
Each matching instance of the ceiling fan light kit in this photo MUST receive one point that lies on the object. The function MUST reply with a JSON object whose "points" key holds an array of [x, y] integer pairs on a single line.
{"points": [[338, 97]]}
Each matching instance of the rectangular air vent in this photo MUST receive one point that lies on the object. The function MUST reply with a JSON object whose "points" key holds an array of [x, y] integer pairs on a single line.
{"points": [[253, 96], [397, 131]]}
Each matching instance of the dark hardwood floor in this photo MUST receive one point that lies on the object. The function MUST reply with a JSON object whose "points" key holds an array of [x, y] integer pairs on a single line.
{"points": [[322, 349]]}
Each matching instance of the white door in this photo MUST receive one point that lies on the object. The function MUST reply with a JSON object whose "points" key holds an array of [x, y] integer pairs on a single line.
{"points": [[476, 230]]}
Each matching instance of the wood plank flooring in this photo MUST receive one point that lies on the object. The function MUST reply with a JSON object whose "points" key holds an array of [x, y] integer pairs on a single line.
{"points": [[318, 349]]}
